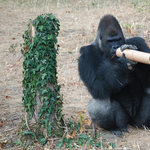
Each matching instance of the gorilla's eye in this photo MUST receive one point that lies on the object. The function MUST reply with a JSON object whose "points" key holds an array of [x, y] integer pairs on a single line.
{"points": [[120, 39], [110, 41], [100, 37]]}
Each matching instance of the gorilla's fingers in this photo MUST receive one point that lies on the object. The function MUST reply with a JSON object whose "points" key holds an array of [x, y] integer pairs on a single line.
{"points": [[122, 59], [132, 62], [128, 63], [125, 46]]}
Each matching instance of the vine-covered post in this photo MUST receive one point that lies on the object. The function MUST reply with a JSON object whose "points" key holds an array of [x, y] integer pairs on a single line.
{"points": [[41, 97]]}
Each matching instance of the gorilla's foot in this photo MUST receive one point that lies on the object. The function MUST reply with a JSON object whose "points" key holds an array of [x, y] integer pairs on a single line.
{"points": [[124, 130], [116, 131]]}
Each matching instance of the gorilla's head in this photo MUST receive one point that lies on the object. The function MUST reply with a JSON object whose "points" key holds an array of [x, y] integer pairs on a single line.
{"points": [[110, 35]]}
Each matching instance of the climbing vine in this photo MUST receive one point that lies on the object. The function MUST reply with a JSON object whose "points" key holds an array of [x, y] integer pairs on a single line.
{"points": [[40, 72]]}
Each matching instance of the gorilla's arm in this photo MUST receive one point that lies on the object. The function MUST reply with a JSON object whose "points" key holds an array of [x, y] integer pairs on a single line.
{"points": [[143, 69], [139, 43], [100, 75]]}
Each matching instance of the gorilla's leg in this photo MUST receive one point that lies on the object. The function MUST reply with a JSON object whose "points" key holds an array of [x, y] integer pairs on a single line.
{"points": [[108, 115], [143, 115]]}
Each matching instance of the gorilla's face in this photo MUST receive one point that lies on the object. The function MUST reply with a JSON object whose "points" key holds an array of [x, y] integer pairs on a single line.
{"points": [[111, 36], [111, 40]]}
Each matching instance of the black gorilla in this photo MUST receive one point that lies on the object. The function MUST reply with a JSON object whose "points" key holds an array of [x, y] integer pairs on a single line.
{"points": [[119, 87]]}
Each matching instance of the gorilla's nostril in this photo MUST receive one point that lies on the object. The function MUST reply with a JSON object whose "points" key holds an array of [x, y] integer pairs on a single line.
{"points": [[115, 47]]}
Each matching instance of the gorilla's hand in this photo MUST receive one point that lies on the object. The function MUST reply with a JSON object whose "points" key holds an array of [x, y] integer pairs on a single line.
{"points": [[125, 46], [128, 63]]}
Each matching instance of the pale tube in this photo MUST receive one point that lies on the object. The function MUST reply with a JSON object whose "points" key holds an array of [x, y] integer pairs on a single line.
{"points": [[134, 55]]}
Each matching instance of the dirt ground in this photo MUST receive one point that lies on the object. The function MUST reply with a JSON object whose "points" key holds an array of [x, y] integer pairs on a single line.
{"points": [[78, 26]]}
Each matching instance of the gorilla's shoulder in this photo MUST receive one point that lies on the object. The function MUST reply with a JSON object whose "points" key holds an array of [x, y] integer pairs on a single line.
{"points": [[139, 43], [135, 40], [89, 49]]}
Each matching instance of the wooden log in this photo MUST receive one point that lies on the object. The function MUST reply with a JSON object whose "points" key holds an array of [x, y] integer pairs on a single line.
{"points": [[32, 31], [135, 55], [39, 103]]}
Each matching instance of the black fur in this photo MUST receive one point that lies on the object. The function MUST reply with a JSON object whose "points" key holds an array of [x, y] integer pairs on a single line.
{"points": [[120, 93]]}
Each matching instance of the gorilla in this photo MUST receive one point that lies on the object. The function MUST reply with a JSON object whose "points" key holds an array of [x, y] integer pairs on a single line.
{"points": [[120, 87]]}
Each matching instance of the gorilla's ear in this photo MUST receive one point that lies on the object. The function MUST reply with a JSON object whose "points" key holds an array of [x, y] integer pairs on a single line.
{"points": [[98, 42], [98, 39]]}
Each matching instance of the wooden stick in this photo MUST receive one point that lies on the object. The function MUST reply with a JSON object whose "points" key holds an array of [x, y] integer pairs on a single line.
{"points": [[134, 55]]}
